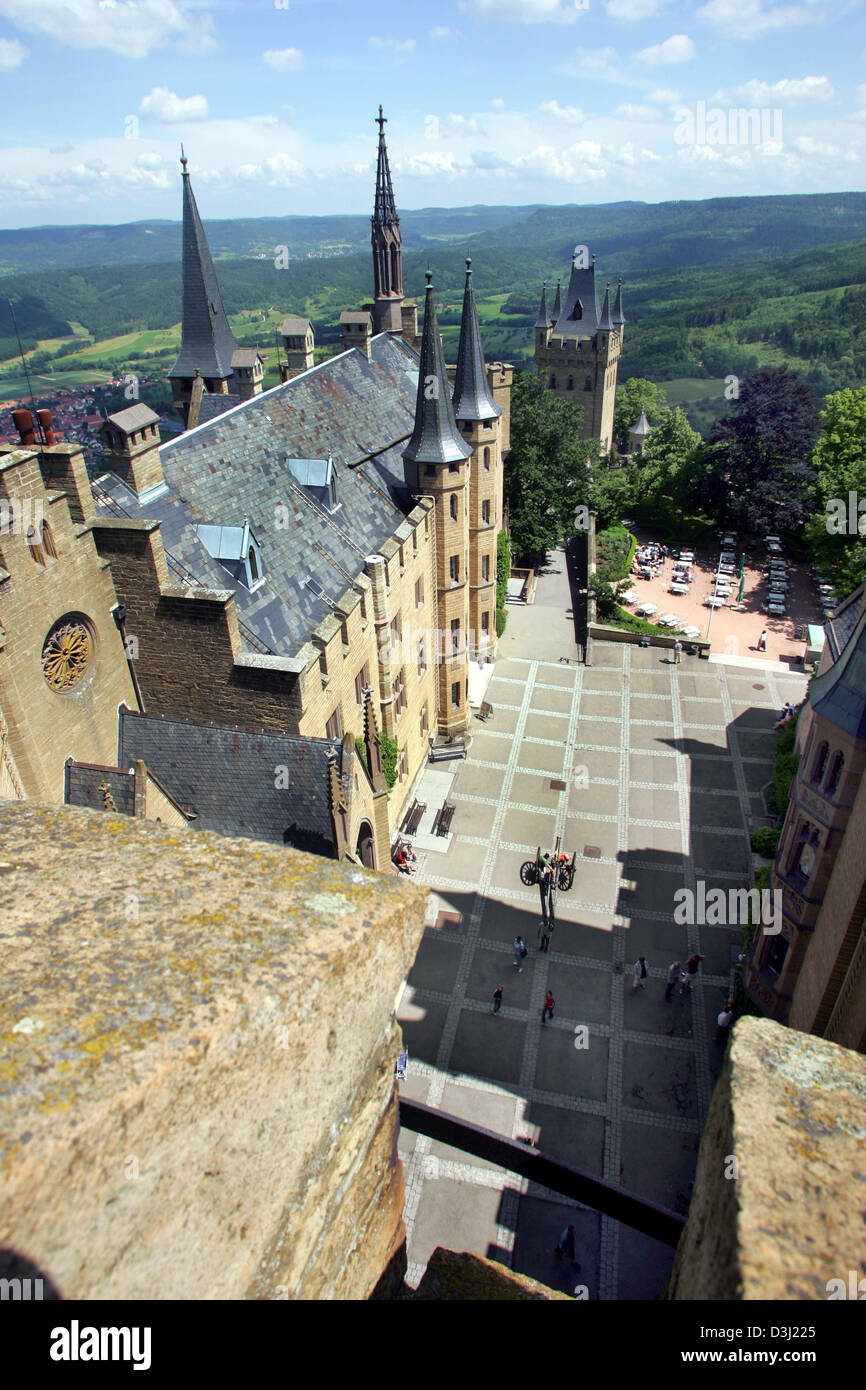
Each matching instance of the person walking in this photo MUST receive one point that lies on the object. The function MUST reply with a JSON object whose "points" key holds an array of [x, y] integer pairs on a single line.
{"points": [[762, 641], [673, 976], [678, 652], [723, 1023], [690, 974], [519, 953], [544, 930], [567, 1245], [640, 974], [549, 1006], [497, 999]]}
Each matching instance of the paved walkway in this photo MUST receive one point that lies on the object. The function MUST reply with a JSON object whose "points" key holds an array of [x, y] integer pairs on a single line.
{"points": [[649, 772]]}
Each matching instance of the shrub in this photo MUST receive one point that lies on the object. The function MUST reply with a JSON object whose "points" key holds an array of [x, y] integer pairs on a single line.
{"points": [[503, 568], [501, 619], [390, 753], [765, 841], [615, 550]]}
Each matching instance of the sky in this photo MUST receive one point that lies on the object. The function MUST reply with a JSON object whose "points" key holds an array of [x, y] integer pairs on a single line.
{"points": [[487, 101]]}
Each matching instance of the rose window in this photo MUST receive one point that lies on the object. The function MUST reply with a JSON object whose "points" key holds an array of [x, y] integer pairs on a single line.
{"points": [[66, 653]]}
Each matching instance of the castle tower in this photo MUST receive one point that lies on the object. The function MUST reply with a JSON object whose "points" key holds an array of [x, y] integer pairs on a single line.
{"points": [[387, 247], [436, 461], [480, 420], [579, 360], [207, 344]]}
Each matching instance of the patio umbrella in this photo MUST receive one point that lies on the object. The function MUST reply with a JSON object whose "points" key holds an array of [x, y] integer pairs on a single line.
{"points": [[741, 570]]}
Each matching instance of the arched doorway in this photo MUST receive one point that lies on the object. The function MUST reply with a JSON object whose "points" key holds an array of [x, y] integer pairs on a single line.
{"points": [[365, 849]]}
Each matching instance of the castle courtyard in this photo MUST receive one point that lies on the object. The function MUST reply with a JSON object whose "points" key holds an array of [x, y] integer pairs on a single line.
{"points": [[649, 772]]}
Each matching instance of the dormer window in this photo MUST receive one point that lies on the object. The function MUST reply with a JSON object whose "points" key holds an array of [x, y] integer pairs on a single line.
{"points": [[237, 550], [318, 478]]}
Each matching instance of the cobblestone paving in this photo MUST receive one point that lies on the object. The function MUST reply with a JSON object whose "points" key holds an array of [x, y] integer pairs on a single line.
{"points": [[662, 766]]}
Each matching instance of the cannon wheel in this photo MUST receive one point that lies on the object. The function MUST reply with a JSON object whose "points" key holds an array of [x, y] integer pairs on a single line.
{"points": [[529, 873], [566, 879]]}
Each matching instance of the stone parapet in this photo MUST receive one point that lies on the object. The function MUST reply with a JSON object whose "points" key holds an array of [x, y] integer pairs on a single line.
{"points": [[197, 1094], [777, 1210]]}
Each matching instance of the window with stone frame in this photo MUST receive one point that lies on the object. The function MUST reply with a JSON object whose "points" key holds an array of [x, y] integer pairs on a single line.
{"points": [[423, 726], [419, 592], [362, 680], [400, 692], [455, 634], [485, 623], [421, 657], [835, 777], [453, 506], [487, 460], [334, 726], [454, 568], [455, 695], [402, 765], [485, 513], [485, 567], [819, 766]]}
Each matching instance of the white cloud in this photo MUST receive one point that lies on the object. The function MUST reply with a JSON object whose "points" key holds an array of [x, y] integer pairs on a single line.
{"points": [[406, 46], [665, 95], [631, 9], [788, 91], [748, 19], [677, 49], [167, 107], [568, 115], [806, 145], [526, 11], [630, 111], [284, 59], [497, 104], [12, 55], [596, 62], [441, 31], [435, 163], [486, 159], [130, 28]]}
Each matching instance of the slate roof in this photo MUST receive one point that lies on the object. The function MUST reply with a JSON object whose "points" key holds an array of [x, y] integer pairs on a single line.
{"points": [[472, 396], [84, 782], [618, 315], [355, 409], [579, 316], [207, 342], [215, 404], [435, 437], [557, 303], [246, 357], [544, 320], [604, 319], [356, 316], [227, 777], [839, 695], [134, 417], [642, 425], [295, 327], [844, 620]]}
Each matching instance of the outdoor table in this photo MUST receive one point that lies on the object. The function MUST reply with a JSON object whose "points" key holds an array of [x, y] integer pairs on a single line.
{"points": [[679, 589], [776, 609], [712, 602]]}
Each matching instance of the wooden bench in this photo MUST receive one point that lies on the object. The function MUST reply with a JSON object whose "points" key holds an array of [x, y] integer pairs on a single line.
{"points": [[441, 751], [445, 817], [414, 820], [408, 816]]}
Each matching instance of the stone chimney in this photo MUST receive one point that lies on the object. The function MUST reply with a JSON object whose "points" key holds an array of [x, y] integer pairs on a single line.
{"points": [[130, 439], [299, 342], [356, 330]]}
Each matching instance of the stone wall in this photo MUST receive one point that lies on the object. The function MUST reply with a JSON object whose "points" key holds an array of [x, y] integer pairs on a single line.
{"points": [[779, 1197], [197, 1098]]}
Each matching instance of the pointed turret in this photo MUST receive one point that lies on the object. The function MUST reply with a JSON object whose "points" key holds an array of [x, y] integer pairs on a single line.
{"points": [[618, 315], [435, 438], [472, 397], [557, 303], [578, 316], [207, 343], [544, 320], [387, 246], [605, 322]]}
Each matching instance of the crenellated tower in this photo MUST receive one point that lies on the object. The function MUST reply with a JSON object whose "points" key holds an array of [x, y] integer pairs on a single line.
{"points": [[436, 462], [387, 247], [479, 419], [207, 343], [577, 355]]}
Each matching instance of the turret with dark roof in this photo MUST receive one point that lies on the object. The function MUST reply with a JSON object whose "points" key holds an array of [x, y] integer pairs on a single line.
{"points": [[207, 343], [839, 693], [618, 315], [557, 302], [605, 322], [579, 314], [435, 437], [544, 320], [472, 396]]}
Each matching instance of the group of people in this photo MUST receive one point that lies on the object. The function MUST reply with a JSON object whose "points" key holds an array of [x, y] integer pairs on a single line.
{"points": [[684, 976], [405, 858], [786, 715], [652, 556]]}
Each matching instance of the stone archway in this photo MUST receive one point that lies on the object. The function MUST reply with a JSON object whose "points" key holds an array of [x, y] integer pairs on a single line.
{"points": [[365, 848]]}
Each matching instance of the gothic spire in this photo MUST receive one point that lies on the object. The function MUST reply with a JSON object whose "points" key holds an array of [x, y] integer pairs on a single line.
{"points": [[472, 398], [544, 320], [207, 342], [604, 319], [557, 303], [618, 315], [385, 209], [435, 438]]}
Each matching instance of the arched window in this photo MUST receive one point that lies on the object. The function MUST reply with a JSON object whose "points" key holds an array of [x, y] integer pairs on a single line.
{"points": [[395, 271], [34, 545], [819, 767], [553, 381], [487, 460], [835, 774], [571, 383], [454, 506]]}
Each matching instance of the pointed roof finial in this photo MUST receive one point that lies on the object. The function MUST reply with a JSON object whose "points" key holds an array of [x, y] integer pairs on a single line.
{"points": [[604, 321], [544, 320], [381, 122], [618, 315], [183, 159], [472, 398]]}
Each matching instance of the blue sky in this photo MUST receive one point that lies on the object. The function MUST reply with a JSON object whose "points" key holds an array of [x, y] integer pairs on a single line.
{"points": [[488, 101]]}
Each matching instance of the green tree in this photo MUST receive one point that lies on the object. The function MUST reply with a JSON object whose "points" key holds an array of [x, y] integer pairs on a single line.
{"points": [[632, 397], [840, 465], [547, 473], [664, 472]]}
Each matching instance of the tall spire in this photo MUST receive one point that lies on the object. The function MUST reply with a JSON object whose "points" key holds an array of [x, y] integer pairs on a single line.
{"points": [[544, 320], [557, 303], [435, 438], [472, 398], [207, 342], [618, 315], [604, 319], [387, 246]]}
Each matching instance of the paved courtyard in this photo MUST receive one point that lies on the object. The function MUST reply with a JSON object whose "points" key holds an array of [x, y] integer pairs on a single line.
{"points": [[649, 771]]}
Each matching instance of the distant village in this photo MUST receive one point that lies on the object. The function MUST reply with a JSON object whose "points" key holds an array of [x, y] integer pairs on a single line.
{"points": [[77, 413]]}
